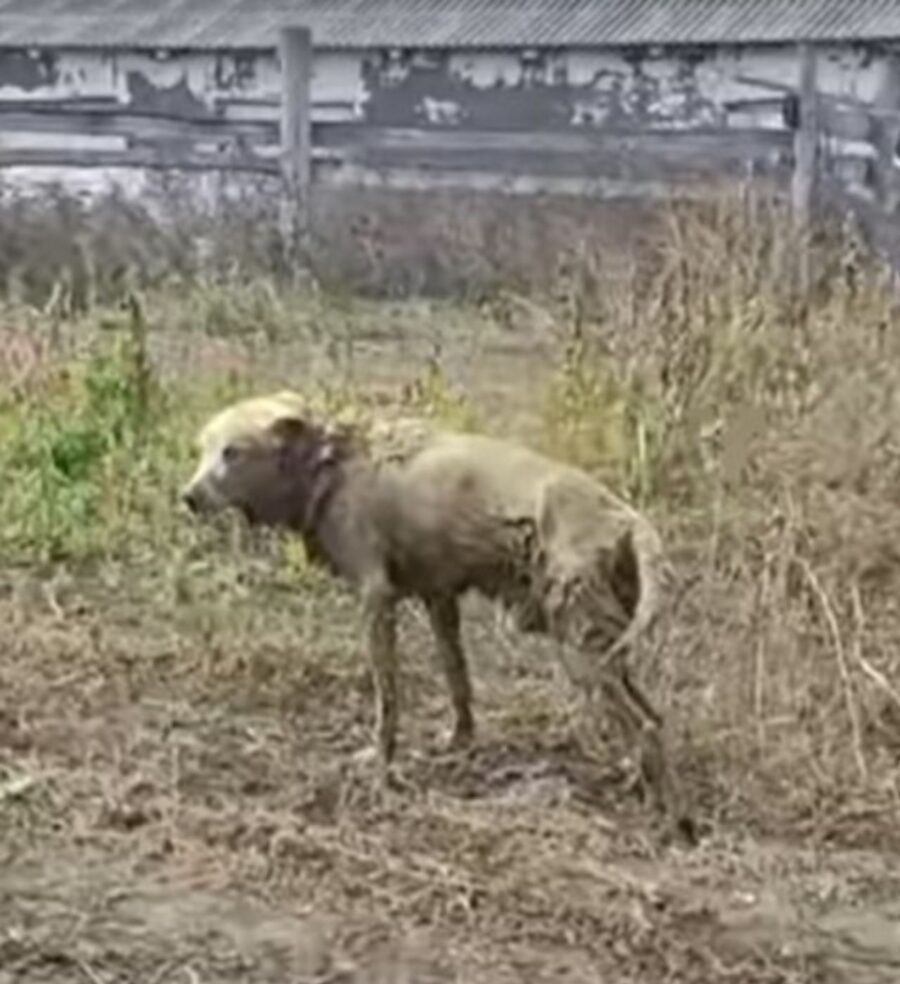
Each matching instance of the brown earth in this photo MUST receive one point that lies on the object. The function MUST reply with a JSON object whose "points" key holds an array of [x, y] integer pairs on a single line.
{"points": [[179, 804]]}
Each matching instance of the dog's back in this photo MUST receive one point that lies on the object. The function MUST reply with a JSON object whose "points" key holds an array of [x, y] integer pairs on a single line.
{"points": [[512, 480], [464, 496]]}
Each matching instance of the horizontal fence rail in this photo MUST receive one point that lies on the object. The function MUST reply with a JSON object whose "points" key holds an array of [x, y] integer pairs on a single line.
{"points": [[154, 139]]}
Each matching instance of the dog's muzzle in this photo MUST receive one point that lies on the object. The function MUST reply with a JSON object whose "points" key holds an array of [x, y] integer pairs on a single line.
{"points": [[190, 500]]}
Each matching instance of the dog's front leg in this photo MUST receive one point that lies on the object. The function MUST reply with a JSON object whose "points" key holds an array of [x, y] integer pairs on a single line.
{"points": [[379, 613]]}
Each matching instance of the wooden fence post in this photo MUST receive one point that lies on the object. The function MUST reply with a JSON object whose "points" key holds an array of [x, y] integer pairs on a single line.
{"points": [[296, 139], [806, 140], [887, 132]]}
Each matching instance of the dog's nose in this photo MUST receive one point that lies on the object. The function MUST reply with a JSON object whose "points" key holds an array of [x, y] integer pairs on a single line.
{"points": [[189, 499]]}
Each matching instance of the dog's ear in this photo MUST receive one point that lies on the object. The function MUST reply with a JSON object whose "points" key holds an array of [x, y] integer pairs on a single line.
{"points": [[288, 430], [291, 435], [300, 441]]}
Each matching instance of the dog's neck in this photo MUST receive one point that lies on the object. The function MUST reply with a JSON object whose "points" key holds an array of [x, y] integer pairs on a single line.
{"points": [[326, 520], [325, 485]]}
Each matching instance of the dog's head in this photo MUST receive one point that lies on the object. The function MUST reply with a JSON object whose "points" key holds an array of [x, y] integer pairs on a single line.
{"points": [[266, 458]]}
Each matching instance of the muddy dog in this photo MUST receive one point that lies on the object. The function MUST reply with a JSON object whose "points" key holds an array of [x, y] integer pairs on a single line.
{"points": [[441, 514]]}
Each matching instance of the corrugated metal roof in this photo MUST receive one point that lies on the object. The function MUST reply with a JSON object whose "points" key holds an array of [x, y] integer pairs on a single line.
{"points": [[440, 23]]}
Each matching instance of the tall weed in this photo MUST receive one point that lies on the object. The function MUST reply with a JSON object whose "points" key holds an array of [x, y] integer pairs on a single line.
{"points": [[756, 420]]}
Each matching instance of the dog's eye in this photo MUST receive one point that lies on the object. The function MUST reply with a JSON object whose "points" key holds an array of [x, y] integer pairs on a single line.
{"points": [[229, 452]]}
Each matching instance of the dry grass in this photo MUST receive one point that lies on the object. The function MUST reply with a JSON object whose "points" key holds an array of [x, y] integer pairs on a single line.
{"points": [[224, 232], [179, 706]]}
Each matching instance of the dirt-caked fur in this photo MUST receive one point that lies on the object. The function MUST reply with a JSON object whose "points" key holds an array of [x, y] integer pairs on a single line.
{"points": [[432, 514]]}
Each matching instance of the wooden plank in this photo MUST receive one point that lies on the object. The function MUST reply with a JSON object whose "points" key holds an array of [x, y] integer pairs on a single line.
{"points": [[887, 137], [138, 157], [633, 166], [273, 102], [157, 158], [101, 106], [716, 142], [296, 137], [645, 157], [63, 103], [138, 125], [417, 179], [654, 159], [264, 113], [570, 141], [806, 142], [321, 111], [328, 170], [726, 141]]}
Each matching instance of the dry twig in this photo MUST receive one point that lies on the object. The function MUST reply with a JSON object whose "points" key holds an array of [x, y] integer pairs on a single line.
{"points": [[840, 656]]}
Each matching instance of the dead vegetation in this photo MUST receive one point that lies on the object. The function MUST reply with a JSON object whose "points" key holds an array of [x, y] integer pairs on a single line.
{"points": [[179, 706]]}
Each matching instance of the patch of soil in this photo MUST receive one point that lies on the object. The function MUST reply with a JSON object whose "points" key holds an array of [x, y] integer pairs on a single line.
{"points": [[164, 822]]}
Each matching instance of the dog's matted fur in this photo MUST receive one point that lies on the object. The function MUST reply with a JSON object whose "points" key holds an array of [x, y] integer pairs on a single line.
{"points": [[408, 510]]}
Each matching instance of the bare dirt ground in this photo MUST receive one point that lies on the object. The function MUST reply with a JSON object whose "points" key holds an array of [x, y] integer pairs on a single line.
{"points": [[178, 815], [179, 805]]}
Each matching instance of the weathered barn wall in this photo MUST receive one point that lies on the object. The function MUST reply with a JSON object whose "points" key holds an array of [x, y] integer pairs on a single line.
{"points": [[681, 88], [593, 88], [576, 89], [185, 82]]}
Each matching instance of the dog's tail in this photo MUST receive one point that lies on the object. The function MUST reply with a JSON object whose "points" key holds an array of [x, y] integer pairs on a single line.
{"points": [[643, 571]]}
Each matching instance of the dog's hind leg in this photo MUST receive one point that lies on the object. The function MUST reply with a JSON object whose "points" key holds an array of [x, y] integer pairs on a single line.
{"points": [[443, 613], [587, 618]]}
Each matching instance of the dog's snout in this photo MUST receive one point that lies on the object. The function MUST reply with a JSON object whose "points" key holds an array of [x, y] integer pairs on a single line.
{"points": [[189, 499]]}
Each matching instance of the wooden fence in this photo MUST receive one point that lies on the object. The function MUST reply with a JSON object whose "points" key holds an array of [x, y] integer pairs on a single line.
{"points": [[841, 144], [847, 152]]}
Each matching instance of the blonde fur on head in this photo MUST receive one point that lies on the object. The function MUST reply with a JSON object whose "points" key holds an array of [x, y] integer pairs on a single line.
{"points": [[253, 415]]}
